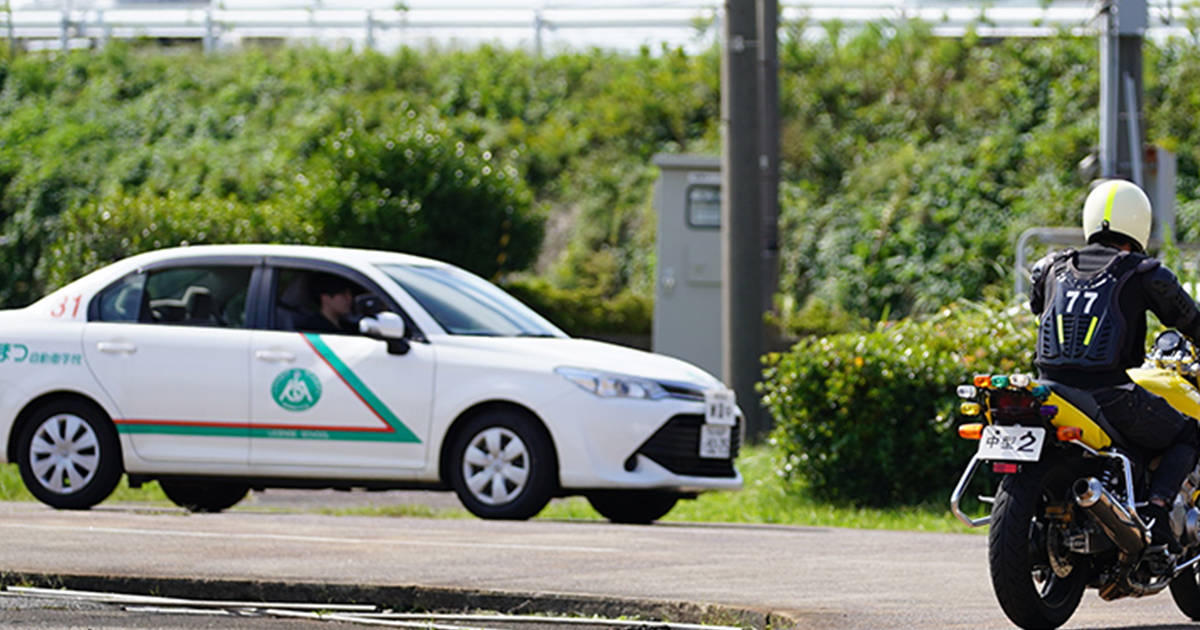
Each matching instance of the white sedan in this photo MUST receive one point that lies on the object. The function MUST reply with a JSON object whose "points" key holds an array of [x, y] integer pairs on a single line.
{"points": [[217, 369]]}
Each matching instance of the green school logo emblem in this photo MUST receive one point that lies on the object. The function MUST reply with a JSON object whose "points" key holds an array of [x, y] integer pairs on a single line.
{"points": [[296, 390]]}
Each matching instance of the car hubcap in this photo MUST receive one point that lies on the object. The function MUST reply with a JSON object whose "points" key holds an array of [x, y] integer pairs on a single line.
{"points": [[496, 466], [64, 454]]}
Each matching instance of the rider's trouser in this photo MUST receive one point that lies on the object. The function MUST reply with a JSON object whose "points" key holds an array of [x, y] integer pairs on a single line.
{"points": [[1148, 421]]}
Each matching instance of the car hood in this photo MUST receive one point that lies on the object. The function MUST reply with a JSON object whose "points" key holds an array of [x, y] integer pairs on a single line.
{"points": [[551, 353]]}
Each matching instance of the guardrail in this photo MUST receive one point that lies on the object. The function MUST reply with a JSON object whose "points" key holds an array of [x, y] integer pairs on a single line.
{"points": [[607, 23]]}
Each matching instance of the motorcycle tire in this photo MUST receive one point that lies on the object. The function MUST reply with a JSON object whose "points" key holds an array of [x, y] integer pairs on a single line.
{"points": [[1185, 590], [1035, 592]]}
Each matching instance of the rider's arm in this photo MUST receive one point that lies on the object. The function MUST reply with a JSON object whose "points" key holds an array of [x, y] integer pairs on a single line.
{"points": [[1168, 299], [1037, 287]]}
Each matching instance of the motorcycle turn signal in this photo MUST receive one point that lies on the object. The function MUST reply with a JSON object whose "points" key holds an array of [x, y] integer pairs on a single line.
{"points": [[973, 431]]}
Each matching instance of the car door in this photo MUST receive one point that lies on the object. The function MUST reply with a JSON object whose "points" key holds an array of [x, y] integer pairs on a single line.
{"points": [[323, 400], [171, 347]]}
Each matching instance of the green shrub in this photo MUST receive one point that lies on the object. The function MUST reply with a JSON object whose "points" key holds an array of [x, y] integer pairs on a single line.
{"points": [[584, 312], [871, 418], [119, 226], [411, 185]]}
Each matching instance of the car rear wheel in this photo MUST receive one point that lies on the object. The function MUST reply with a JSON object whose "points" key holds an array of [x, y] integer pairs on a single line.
{"points": [[204, 496], [502, 466], [69, 455], [640, 507]]}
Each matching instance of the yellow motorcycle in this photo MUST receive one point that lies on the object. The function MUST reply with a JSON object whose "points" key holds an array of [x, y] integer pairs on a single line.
{"points": [[1065, 517]]}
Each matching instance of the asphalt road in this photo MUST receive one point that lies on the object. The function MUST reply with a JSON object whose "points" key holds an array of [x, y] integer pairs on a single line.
{"points": [[819, 578]]}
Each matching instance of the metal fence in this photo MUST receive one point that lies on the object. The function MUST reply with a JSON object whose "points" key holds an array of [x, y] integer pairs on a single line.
{"points": [[546, 25]]}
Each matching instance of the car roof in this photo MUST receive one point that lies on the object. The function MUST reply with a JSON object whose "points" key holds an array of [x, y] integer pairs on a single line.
{"points": [[335, 254]]}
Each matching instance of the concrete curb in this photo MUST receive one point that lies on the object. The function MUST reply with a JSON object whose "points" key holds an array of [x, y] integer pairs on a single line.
{"points": [[410, 598]]}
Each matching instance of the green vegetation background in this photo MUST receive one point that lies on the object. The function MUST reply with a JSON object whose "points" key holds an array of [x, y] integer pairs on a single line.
{"points": [[910, 164]]}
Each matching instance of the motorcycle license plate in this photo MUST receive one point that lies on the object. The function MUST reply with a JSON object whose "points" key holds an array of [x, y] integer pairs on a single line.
{"points": [[1015, 443]]}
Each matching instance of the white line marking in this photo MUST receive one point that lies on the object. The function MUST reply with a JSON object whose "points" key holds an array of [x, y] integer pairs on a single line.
{"points": [[315, 539]]}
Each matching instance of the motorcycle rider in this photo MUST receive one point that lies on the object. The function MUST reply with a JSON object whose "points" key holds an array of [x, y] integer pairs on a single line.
{"points": [[1092, 306]]}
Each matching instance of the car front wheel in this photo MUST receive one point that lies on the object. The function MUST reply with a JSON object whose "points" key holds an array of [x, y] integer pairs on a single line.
{"points": [[635, 507], [502, 466], [69, 455]]}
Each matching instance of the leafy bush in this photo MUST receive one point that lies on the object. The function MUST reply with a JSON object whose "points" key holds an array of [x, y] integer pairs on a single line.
{"points": [[870, 418], [584, 312], [411, 186], [119, 226]]}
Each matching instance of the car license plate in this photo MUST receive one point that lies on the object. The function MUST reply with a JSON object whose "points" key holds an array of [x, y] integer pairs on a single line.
{"points": [[1017, 443], [715, 441], [720, 407]]}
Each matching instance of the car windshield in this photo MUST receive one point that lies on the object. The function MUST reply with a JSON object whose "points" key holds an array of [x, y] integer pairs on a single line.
{"points": [[465, 304]]}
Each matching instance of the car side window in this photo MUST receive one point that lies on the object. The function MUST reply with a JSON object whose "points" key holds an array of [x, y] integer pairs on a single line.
{"points": [[122, 302], [316, 301], [210, 296]]}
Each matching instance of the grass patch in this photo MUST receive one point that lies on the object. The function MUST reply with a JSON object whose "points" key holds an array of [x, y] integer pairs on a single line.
{"points": [[764, 500], [13, 489]]}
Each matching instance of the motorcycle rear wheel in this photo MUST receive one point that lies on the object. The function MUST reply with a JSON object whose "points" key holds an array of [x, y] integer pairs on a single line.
{"points": [[1038, 583], [1185, 590]]}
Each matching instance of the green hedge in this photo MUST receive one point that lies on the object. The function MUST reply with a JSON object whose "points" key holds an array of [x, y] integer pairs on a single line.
{"points": [[871, 418], [585, 312], [119, 226]]}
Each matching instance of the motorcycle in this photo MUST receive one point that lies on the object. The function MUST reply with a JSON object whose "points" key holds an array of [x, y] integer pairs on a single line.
{"points": [[1066, 514]]}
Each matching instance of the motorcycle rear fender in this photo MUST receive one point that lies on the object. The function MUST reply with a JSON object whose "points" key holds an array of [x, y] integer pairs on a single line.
{"points": [[1070, 416]]}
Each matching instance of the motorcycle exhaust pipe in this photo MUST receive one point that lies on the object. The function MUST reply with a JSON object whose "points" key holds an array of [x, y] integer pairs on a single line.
{"points": [[1125, 529]]}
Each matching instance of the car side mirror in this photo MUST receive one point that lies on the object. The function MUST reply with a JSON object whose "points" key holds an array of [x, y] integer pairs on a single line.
{"points": [[389, 327], [385, 325]]}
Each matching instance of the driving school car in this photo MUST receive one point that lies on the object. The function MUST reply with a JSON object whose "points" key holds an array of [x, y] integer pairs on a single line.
{"points": [[200, 367]]}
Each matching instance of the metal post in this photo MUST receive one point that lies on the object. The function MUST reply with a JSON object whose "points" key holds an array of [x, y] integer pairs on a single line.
{"points": [[12, 31], [1133, 125], [768, 67], [209, 39], [64, 33], [741, 233], [370, 43], [1110, 103], [1122, 29], [538, 26]]}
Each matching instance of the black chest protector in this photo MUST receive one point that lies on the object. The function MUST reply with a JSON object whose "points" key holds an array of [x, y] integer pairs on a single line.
{"points": [[1082, 327]]}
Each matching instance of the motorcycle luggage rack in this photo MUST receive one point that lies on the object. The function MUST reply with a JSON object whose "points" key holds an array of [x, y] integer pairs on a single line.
{"points": [[969, 473]]}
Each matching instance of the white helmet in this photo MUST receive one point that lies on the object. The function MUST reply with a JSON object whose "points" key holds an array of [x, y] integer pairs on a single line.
{"points": [[1117, 206]]}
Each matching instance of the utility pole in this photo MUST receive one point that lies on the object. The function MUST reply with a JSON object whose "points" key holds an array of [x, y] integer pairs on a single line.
{"points": [[741, 220], [768, 145], [1122, 26]]}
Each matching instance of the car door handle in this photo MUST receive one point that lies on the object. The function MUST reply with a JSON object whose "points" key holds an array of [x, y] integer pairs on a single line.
{"points": [[116, 347], [274, 356]]}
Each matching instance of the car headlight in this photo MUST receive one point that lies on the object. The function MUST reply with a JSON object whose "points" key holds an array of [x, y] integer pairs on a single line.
{"points": [[608, 385]]}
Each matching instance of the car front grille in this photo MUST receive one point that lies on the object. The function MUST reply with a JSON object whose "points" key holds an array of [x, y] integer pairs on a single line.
{"points": [[676, 447]]}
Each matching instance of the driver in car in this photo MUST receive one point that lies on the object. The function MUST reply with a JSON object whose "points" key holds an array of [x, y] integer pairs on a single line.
{"points": [[334, 297], [1092, 306]]}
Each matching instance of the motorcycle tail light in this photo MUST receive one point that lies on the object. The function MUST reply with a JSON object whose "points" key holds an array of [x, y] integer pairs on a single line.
{"points": [[971, 409], [999, 382], [1020, 380], [969, 392], [983, 381], [972, 431], [1069, 434], [1005, 468]]}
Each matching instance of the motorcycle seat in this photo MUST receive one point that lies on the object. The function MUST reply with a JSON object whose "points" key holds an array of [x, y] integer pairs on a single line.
{"points": [[1086, 403]]}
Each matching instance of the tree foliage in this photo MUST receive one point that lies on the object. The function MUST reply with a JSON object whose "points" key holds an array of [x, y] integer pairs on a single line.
{"points": [[911, 163]]}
